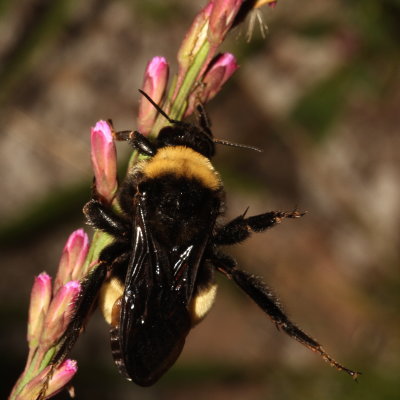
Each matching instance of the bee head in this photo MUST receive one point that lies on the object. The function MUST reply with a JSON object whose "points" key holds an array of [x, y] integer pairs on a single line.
{"points": [[197, 137], [189, 135]]}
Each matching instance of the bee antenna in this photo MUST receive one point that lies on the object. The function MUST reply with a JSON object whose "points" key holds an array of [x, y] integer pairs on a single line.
{"points": [[157, 107], [243, 146]]}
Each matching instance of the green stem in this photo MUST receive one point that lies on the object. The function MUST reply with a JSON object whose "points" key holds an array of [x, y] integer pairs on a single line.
{"points": [[99, 241], [29, 373], [47, 358], [179, 106]]}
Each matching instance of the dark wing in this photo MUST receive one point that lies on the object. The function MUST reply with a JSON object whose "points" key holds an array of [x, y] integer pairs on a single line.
{"points": [[149, 331]]}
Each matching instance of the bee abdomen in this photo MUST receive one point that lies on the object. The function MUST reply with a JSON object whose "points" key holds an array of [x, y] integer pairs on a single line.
{"points": [[117, 351]]}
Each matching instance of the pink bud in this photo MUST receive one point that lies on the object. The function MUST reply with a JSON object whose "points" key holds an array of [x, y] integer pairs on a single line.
{"points": [[220, 71], [154, 84], [72, 259], [60, 313], [222, 68], [62, 375], [221, 19], [40, 300], [104, 160], [32, 389], [195, 37]]}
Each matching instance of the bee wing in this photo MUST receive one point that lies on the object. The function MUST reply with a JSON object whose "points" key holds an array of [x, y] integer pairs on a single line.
{"points": [[154, 320]]}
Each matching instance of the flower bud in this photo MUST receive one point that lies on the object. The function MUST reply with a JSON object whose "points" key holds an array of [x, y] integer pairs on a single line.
{"points": [[40, 301], [72, 258], [60, 313], [104, 160], [195, 37], [154, 84], [33, 388], [60, 377], [222, 68], [221, 19], [220, 71]]}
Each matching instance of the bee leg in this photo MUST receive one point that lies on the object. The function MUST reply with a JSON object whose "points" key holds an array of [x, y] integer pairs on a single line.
{"points": [[115, 253], [137, 141], [203, 119], [105, 219], [127, 193], [261, 294], [240, 228]]}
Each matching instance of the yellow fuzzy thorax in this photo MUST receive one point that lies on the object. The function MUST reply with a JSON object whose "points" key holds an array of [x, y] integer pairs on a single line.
{"points": [[183, 162]]}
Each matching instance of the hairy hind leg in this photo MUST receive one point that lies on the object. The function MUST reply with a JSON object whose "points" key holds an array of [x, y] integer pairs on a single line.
{"points": [[262, 295]]}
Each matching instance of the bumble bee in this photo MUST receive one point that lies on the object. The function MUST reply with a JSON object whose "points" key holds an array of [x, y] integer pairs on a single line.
{"points": [[155, 281]]}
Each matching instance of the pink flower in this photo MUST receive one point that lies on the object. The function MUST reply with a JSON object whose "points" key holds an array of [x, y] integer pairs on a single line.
{"points": [[194, 38], [222, 68], [221, 19], [40, 301], [72, 258], [60, 313], [104, 160], [154, 84], [60, 377], [220, 71]]}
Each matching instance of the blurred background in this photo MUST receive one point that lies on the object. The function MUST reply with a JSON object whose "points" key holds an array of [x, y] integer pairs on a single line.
{"points": [[320, 94]]}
